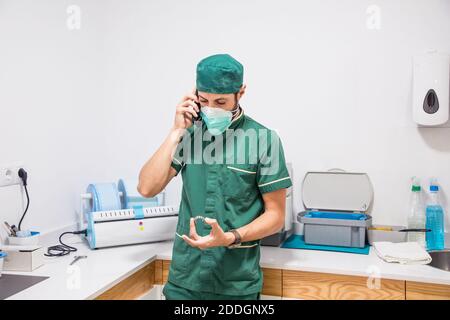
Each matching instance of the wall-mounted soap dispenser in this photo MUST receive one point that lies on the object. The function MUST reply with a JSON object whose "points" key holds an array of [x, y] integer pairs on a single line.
{"points": [[431, 89]]}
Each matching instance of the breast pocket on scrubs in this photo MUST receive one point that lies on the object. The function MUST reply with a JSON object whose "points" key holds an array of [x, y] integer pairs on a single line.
{"points": [[238, 180]]}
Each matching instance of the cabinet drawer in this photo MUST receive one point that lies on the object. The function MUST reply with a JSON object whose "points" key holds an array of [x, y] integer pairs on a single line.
{"points": [[311, 285], [426, 291]]}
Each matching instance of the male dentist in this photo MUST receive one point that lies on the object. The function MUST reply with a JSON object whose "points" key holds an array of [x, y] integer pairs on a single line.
{"points": [[234, 187]]}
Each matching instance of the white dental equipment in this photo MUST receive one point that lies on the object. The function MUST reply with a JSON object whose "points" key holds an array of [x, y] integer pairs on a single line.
{"points": [[110, 223]]}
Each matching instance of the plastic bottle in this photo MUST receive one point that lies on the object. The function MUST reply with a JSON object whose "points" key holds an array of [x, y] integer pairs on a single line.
{"points": [[416, 218], [434, 219]]}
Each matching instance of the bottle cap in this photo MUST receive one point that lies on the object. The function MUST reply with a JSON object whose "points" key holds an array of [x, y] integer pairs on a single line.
{"points": [[434, 185], [434, 188], [415, 181]]}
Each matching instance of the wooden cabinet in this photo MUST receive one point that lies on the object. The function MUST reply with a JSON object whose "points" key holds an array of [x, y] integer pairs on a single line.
{"points": [[293, 284], [272, 282], [133, 287], [426, 291], [162, 271], [311, 285]]}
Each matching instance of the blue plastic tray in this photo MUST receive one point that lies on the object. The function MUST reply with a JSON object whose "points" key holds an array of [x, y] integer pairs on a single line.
{"points": [[336, 215], [298, 242]]}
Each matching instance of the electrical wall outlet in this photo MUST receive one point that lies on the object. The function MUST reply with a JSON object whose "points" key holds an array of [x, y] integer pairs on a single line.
{"points": [[9, 175]]}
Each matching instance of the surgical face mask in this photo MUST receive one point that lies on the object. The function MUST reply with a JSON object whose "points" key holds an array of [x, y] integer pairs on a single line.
{"points": [[217, 120]]}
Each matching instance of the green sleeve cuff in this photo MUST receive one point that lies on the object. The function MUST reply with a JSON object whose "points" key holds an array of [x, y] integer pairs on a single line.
{"points": [[275, 185], [177, 165]]}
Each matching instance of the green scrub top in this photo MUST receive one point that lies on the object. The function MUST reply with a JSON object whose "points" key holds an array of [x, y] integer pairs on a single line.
{"points": [[226, 185]]}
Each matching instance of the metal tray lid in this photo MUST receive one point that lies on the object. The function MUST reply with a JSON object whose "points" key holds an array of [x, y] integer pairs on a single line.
{"points": [[337, 190]]}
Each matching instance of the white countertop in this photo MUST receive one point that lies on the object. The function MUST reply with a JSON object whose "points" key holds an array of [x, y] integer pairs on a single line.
{"points": [[104, 268]]}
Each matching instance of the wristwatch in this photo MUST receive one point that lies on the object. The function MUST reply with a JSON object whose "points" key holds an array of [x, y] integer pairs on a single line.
{"points": [[237, 239]]}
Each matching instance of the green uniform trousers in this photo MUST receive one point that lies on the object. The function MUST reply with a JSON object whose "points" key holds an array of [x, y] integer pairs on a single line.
{"points": [[174, 292]]}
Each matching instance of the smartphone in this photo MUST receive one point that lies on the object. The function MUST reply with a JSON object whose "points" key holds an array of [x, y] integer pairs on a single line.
{"points": [[199, 117]]}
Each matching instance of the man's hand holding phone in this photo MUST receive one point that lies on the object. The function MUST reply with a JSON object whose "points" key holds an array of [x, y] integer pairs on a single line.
{"points": [[187, 111]]}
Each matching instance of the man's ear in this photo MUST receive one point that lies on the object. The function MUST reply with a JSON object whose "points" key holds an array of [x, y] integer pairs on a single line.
{"points": [[242, 90]]}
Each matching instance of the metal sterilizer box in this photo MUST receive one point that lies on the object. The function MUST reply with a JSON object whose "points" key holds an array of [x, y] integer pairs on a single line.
{"points": [[336, 205]]}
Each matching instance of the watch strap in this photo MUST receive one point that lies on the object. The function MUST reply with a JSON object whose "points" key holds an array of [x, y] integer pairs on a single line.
{"points": [[237, 238]]}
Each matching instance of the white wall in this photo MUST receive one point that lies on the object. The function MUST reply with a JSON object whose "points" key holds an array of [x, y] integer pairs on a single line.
{"points": [[93, 104]]}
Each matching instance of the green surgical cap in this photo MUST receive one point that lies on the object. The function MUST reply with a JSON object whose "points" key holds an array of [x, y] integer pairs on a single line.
{"points": [[219, 73]]}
